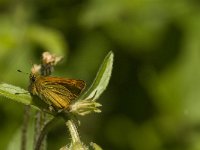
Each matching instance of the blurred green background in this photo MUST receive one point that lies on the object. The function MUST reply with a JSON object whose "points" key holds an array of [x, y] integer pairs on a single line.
{"points": [[153, 99]]}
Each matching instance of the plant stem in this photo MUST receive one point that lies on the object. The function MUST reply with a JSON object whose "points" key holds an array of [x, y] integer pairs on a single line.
{"points": [[38, 126], [25, 127], [73, 131], [44, 132]]}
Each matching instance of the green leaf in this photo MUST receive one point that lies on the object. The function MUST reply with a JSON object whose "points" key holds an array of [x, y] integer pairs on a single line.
{"points": [[102, 79], [16, 93]]}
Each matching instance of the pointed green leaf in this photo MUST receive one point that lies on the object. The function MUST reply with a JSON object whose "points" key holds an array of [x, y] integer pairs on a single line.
{"points": [[102, 79]]}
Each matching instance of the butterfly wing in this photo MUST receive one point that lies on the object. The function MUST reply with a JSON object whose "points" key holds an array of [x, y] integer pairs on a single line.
{"points": [[73, 85], [59, 92]]}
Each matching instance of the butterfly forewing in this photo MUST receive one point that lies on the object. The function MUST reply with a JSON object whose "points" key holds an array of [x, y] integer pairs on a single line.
{"points": [[75, 86]]}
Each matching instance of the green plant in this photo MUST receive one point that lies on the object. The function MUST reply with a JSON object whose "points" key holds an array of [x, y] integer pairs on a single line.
{"points": [[83, 105]]}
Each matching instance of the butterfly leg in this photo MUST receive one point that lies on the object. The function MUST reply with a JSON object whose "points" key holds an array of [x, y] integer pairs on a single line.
{"points": [[51, 108]]}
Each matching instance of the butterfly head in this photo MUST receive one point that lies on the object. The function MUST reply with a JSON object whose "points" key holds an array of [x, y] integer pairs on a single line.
{"points": [[33, 77]]}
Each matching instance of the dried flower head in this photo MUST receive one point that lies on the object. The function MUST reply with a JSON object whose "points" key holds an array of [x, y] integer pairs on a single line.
{"points": [[35, 69], [48, 58]]}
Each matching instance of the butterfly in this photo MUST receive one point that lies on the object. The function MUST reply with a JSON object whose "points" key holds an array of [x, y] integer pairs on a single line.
{"points": [[55, 91]]}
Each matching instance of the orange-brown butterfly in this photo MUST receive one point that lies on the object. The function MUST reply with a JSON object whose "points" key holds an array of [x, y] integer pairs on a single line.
{"points": [[55, 91]]}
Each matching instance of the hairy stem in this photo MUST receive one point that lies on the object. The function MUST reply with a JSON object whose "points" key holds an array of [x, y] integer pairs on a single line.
{"points": [[73, 131], [39, 125], [44, 132], [25, 127]]}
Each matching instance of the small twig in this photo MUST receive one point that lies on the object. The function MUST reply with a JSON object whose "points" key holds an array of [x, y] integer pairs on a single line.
{"points": [[39, 125], [44, 132], [25, 127]]}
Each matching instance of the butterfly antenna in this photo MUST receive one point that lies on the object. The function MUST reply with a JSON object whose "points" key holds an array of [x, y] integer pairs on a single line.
{"points": [[22, 71]]}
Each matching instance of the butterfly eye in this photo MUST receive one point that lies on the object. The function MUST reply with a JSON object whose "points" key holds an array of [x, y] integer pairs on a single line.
{"points": [[32, 78]]}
